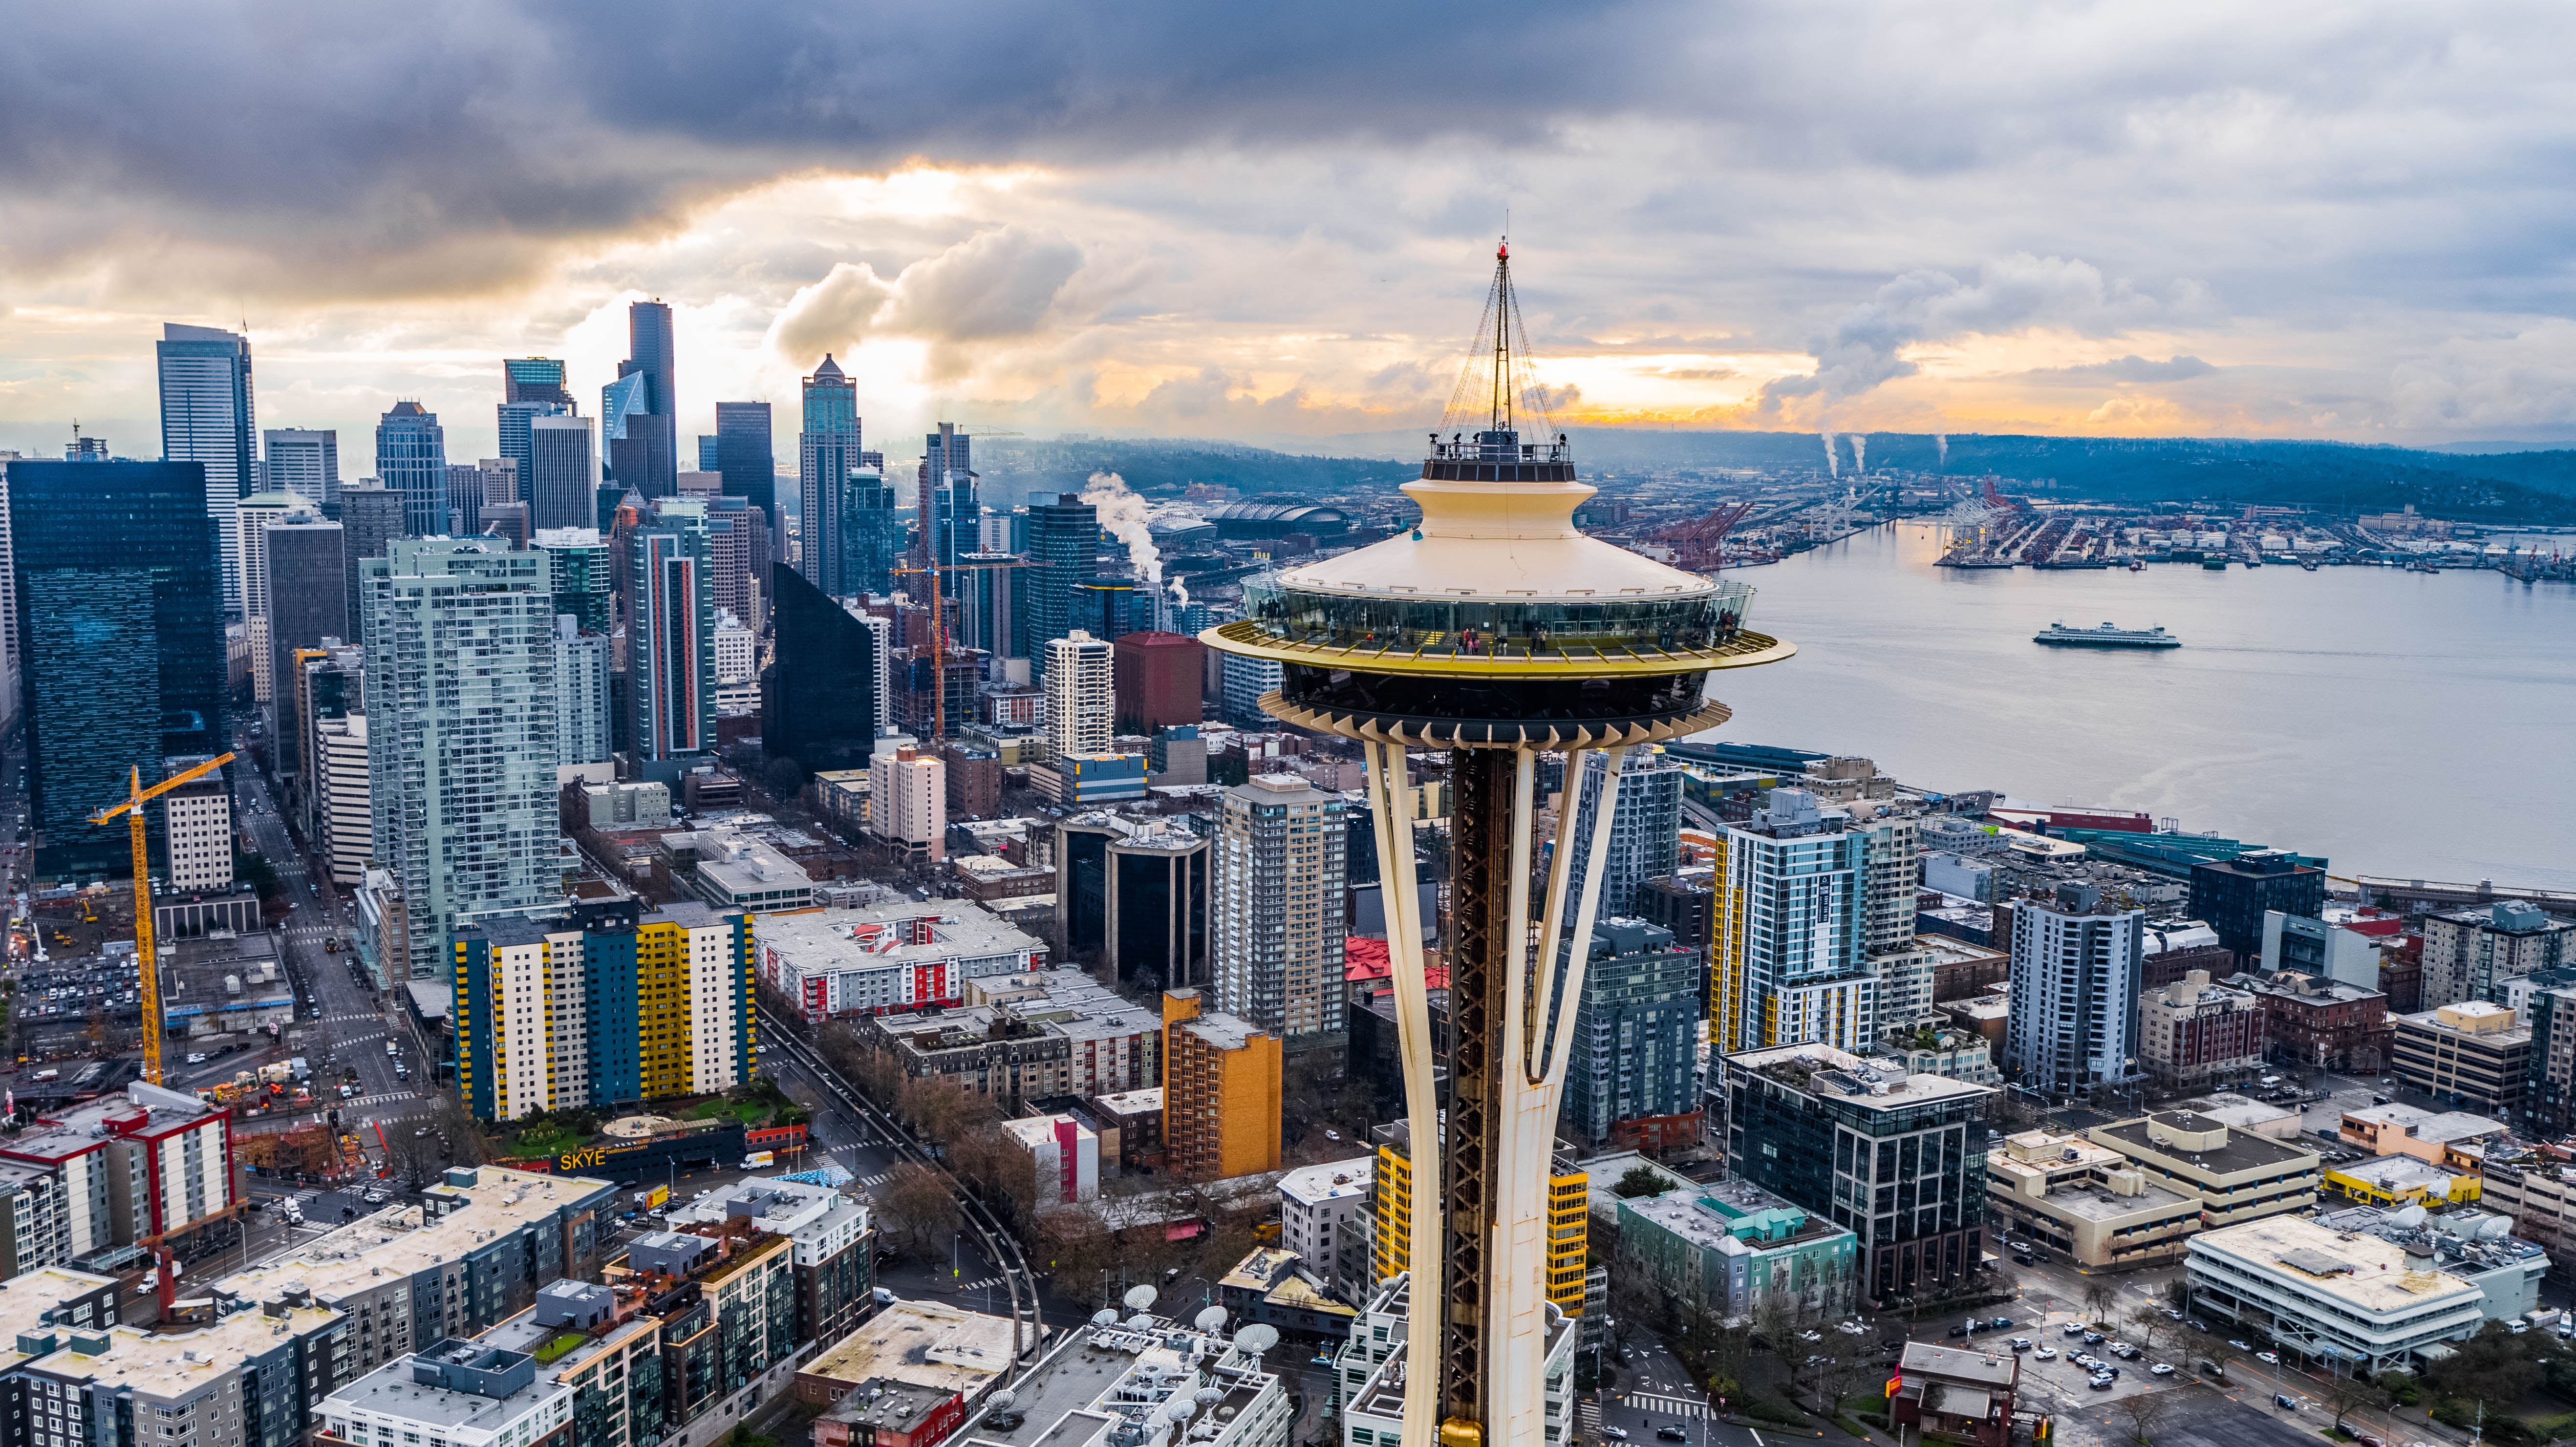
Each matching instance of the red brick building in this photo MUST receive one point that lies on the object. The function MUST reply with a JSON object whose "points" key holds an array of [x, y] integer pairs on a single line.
{"points": [[1154, 681], [2317, 1021]]}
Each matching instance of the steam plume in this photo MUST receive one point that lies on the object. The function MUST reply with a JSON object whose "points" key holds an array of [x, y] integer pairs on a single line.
{"points": [[1941, 440], [1860, 453], [1833, 459], [1123, 514]]}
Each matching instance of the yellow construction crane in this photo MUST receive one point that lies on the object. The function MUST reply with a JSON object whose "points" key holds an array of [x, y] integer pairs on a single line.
{"points": [[132, 807]]}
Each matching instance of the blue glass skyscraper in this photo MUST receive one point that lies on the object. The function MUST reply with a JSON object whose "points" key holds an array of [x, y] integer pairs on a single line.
{"points": [[207, 408], [411, 459], [121, 629], [827, 451]]}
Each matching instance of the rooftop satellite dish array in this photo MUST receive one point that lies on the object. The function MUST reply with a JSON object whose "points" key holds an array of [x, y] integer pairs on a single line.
{"points": [[1140, 1297], [1210, 1318]]}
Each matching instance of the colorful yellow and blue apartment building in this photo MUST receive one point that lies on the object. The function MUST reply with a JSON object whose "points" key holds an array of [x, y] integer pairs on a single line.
{"points": [[605, 1002]]}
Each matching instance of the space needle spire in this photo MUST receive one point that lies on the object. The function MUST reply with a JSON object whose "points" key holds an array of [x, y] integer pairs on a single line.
{"points": [[1496, 630]]}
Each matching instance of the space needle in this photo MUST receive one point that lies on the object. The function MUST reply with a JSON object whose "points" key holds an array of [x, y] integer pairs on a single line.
{"points": [[1496, 630]]}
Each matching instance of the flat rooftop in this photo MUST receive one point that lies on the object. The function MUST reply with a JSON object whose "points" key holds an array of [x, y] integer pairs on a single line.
{"points": [[390, 1389], [24, 1299], [1331, 1181], [78, 1129], [157, 1364], [2353, 1267], [1990, 1368], [359, 1256], [2242, 1150], [1831, 1074], [928, 1343], [874, 937]]}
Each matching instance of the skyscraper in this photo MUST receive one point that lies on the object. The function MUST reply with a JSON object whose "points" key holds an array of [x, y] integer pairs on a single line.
{"points": [[1278, 906], [305, 462], [460, 668], [583, 706], [640, 428], [305, 579], [1064, 535], [628, 440], [948, 495], [121, 620], [372, 514], [1789, 965], [579, 572], [827, 452], [207, 416], [1080, 696], [561, 476], [857, 537], [411, 459], [534, 379], [2076, 974], [821, 697], [1646, 830], [745, 457], [670, 622], [516, 419], [1635, 1061]]}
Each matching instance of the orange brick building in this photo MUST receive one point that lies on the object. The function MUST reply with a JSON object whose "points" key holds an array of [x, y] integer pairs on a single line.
{"points": [[1220, 1092]]}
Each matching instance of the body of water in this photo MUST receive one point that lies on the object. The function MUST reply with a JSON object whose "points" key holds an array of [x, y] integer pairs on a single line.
{"points": [[2409, 724]]}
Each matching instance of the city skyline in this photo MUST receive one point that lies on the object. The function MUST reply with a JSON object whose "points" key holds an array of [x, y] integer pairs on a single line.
{"points": [[2066, 222]]}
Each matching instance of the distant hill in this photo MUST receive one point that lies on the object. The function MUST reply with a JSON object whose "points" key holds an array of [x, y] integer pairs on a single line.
{"points": [[2531, 487]]}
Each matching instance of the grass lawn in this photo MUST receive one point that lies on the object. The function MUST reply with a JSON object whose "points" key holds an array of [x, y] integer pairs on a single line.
{"points": [[717, 1107]]}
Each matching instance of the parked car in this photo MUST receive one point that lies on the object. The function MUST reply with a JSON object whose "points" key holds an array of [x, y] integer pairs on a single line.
{"points": [[2162, 1369], [2092, 1338], [2242, 1346], [198, 1058], [2075, 1328], [2099, 1383], [2021, 1343], [1669, 1433], [2046, 1354], [2285, 1401], [2268, 1359]]}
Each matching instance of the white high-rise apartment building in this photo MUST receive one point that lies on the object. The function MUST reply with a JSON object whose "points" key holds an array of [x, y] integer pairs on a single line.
{"points": [[1891, 869], [1275, 905], [1080, 705], [2075, 984], [582, 703], [207, 415], [348, 825], [197, 821], [1787, 962], [908, 801], [461, 736], [881, 648], [304, 461]]}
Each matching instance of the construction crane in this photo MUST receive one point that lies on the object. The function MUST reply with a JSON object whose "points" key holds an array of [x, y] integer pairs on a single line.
{"points": [[131, 806], [939, 629]]}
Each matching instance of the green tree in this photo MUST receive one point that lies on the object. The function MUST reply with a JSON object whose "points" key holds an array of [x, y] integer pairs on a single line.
{"points": [[1641, 1180]]}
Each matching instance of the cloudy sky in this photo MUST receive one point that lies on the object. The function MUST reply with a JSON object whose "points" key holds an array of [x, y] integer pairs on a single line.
{"points": [[2307, 220]]}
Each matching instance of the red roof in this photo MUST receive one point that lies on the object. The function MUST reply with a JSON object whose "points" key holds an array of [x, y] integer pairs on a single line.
{"points": [[1367, 959]]}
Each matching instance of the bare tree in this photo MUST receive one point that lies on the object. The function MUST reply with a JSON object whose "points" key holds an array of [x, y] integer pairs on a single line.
{"points": [[2350, 1394], [2099, 1297], [917, 1203], [2144, 1410], [2148, 1325]]}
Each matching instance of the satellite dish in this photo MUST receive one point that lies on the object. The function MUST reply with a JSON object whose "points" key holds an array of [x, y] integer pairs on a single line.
{"points": [[1180, 1411], [1140, 1297], [1003, 1398], [2496, 1228], [1140, 1321], [1257, 1338], [1210, 1318], [1104, 1317], [2411, 1216], [1208, 1396]]}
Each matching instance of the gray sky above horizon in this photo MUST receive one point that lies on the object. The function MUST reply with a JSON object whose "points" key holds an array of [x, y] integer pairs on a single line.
{"points": [[2300, 220]]}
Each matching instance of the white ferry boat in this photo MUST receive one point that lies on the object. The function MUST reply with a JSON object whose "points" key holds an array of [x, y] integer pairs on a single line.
{"points": [[2109, 635]]}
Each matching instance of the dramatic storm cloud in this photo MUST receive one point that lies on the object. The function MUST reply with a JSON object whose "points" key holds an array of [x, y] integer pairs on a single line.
{"points": [[2303, 219]]}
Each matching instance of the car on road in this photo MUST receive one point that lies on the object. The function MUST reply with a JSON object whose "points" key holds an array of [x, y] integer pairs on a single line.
{"points": [[2242, 1346], [2046, 1354], [2162, 1369], [2092, 1338], [2021, 1343], [2285, 1401], [2268, 1358], [1615, 1434], [1671, 1434], [2075, 1328], [198, 1058], [2172, 1315], [2197, 1325], [1320, 1360]]}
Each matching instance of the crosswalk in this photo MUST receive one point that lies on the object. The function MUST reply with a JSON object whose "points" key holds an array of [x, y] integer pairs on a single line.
{"points": [[1587, 1417], [997, 1283], [1669, 1406], [870, 1183]]}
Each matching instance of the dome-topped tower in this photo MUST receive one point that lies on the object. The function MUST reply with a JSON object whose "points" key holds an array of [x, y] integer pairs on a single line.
{"points": [[1493, 627]]}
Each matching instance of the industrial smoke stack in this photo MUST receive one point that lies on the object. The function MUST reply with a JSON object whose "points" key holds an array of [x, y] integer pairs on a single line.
{"points": [[1860, 453], [1833, 459], [1941, 444]]}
